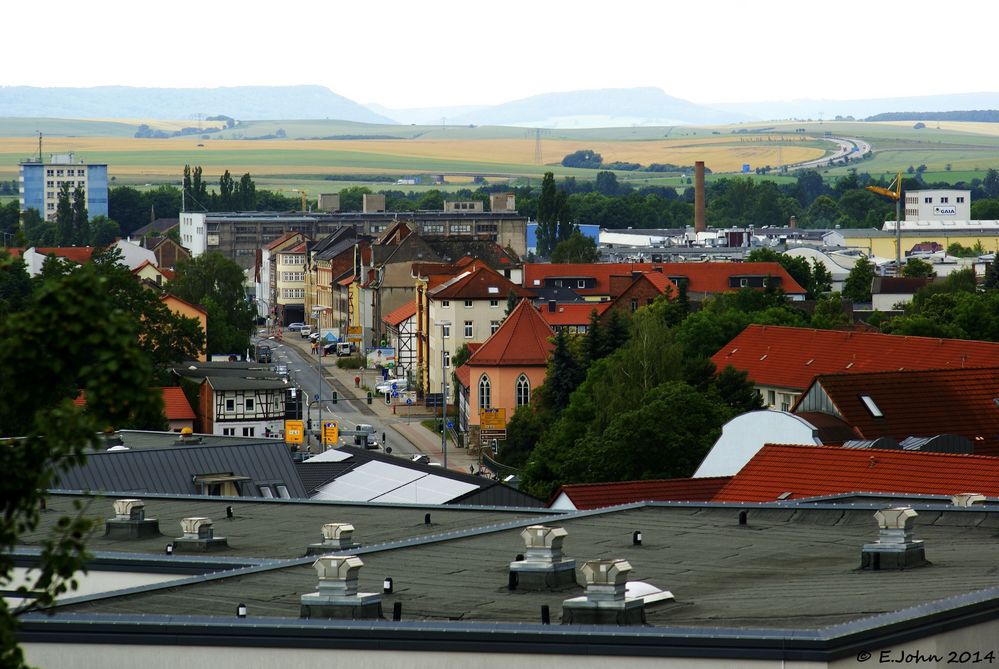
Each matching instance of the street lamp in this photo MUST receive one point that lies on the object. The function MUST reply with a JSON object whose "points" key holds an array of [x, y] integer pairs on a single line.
{"points": [[443, 324]]}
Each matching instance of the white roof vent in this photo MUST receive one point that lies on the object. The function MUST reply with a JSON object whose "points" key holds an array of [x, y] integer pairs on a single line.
{"points": [[895, 548], [338, 595], [606, 601], [543, 566]]}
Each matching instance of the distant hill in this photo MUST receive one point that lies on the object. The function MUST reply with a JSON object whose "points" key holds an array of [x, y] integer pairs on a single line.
{"points": [[607, 107], [241, 102], [976, 115], [860, 108], [423, 115]]}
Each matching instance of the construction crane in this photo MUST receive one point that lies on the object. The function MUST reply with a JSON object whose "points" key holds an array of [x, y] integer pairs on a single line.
{"points": [[305, 198], [896, 195]]}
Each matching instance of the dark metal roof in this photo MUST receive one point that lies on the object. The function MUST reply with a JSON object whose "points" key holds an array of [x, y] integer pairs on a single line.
{"points": [[171, 470]]}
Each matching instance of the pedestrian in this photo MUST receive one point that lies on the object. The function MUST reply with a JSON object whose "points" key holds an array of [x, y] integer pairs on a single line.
{"points": [[315, 346]]}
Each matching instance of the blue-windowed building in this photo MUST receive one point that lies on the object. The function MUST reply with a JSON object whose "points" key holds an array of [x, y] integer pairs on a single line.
{"points": [[40, 182]]}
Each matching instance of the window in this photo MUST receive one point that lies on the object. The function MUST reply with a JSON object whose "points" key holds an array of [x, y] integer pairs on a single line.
{"points": [[468, 329], [249, 404], [743, 283], [493, 304], [771, 398], [523, 391], [493, 327], [581, 283], [282, 491], [927, 200], [445, 304], [871, 406], [248, 431], [634, 306], [81, 173], [446, 357], [50, 206], [228, 432], [485, 392], [468, 304], [49, 173], [944, 200], [50, 184], [960, 199], [445, 331], [265, 491], [230, 405]]}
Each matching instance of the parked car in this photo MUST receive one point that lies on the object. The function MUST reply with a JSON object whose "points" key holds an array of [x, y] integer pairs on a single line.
{"points": [[305, 332], [263, 353], [387, 386], [295, 327]]}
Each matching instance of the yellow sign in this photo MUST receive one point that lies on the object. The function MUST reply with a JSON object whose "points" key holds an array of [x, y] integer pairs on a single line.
{"points": [[492, 419], [294, 431], [331, 432]]}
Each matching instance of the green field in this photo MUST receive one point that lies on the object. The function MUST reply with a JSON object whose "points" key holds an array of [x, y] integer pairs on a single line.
{"points": [[316, 155]]}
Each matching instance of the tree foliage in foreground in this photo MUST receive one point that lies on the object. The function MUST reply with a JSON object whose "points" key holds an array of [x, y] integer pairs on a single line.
{"points": [[216, 283], [95, 349]]}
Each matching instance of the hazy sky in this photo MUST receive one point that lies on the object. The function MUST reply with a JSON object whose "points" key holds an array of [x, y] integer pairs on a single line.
{"points": [[452, 52]]}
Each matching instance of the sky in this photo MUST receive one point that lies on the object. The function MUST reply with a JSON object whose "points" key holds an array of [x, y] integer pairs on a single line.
{"points": [[453, 52]]}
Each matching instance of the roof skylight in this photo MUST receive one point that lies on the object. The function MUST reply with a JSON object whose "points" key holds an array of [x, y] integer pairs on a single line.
{"points": [[871, 406]]}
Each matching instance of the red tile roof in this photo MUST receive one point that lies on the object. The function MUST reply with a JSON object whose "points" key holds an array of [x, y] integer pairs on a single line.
{"points": [[464, 374], [397, 316], [598, 495], [572, 313], [920, 403], [788, 357], [175, 404], [522, 340], [280, 240], [811, 471], [77, 254], [702, 278], [481, 283], [169, 296]]}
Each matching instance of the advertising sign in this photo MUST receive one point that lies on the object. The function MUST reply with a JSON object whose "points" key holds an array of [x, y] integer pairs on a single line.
{"points": [[945, 210], [381, 357]]}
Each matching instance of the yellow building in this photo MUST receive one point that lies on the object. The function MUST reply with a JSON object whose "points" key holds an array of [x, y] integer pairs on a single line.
{"points": [[188, 310], [882, 242]]}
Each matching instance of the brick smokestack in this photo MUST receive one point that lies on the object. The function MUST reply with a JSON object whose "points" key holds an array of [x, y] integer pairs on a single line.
{"points": [[793, 223], [699, 225]]}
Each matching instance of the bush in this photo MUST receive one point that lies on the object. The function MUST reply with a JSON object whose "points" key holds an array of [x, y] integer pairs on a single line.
{"points": [[353, 362]]}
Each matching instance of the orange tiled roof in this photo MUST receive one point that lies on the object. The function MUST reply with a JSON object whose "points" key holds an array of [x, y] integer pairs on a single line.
{"points": [[787, 357], [706, 277], [77, 254], [464, 374], [397, 316], [812, 471], [598, 495], [522, 340], [481, 283], [175, 404], [572, 313], [280, 240], [920, 403]]}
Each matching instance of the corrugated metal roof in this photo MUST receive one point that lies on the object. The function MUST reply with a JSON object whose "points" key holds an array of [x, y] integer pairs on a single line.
{"points": [[171, 470]]}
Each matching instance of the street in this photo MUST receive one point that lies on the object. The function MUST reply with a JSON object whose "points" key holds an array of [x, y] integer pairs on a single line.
{"points": [[402, 433]]}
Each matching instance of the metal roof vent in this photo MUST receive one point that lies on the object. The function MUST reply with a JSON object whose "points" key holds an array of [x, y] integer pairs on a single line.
{"points": [[606, 601], [895, 547], [338, 595], [543, 566], [199, 537], [130, 521], [967, 499], [336, 537]]}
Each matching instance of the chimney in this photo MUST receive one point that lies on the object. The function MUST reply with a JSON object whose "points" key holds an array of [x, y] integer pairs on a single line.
{"points": [[338, 596], [199, 536], [543, 566], [793, 223], [605, 601], [130, 521], [895, 548], [699, 225], [336, 537], [967, 499]]}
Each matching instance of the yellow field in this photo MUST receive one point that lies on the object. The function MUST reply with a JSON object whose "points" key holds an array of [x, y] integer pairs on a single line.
{"points": [[278, 157]]}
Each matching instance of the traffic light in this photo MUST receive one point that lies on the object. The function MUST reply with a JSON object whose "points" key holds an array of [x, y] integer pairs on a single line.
{"points": [[336, 396], [369, 397]]}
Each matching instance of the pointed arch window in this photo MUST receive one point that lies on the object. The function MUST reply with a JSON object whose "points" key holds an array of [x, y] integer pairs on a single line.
{"points": [[485, 392], [523, 390]]}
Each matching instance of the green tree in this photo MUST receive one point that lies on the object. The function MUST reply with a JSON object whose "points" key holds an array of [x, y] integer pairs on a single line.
{"points": [[548, 213], [15, 285], [103, 231], [593, 347], [992, 274], [915, 268], [352, 198], [227, 189], [821, 279], [736, 391], [564, 374], [245, 193], [461, 356], [523, 432], [857, 286], [829, 313], [81, 220], [95, 350], [578, 248], [991, 183], [823, 213], [216, 283], [65, 231]]}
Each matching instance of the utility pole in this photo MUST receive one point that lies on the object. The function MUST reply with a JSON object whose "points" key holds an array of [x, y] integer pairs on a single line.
{"points": [[443, 324]]}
